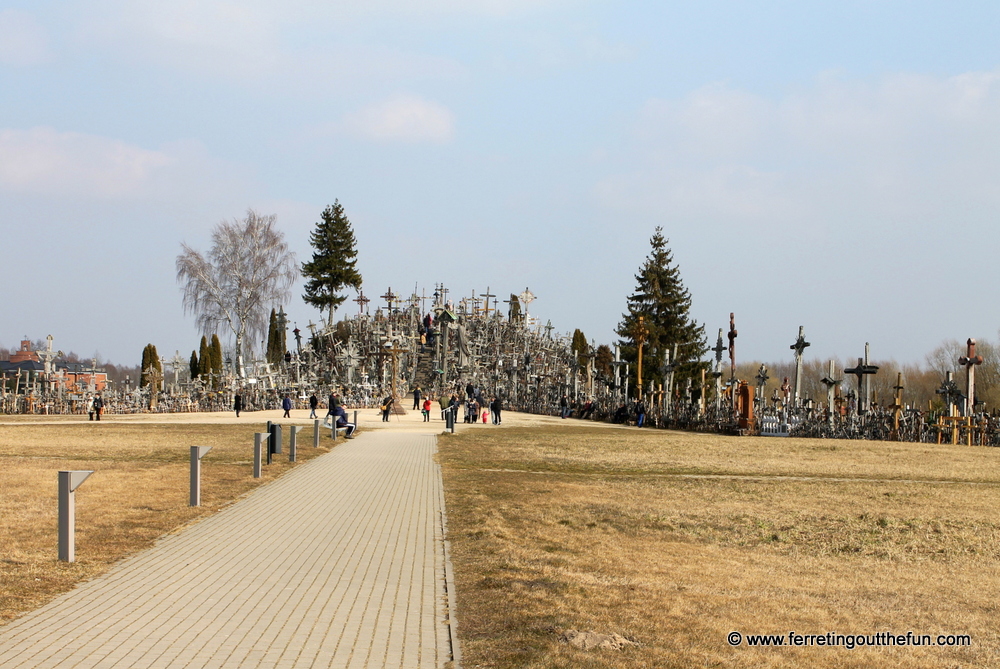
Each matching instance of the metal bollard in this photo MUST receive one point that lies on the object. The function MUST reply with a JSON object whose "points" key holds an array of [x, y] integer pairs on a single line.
{"points": [[355, 419], [258, 455], [333, 429], [69, 481], [292, 432], [316, 433], [197, 453]]}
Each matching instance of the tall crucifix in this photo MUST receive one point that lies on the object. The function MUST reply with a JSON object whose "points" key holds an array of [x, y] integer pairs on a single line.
{"points": [[640, 333], [799, 346], [732, 346], [831, 382], [970, 360], [394, 351], [717, 372], [862, 371]]}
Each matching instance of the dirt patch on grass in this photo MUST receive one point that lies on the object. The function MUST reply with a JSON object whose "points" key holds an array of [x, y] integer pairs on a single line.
{"points": [[139, 492], [603, 540]]}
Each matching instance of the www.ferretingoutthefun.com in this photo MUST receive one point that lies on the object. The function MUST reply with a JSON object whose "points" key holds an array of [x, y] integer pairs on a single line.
{"points": [[849, 641]]}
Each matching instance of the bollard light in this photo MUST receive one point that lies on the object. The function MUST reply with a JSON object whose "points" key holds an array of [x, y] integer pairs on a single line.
{"points": [[197, 453], [292, 433], [69, 481], [258, 452], [316, 433]]}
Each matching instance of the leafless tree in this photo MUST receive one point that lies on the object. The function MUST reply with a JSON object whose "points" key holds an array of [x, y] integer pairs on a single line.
{"points": [[248, 270]]}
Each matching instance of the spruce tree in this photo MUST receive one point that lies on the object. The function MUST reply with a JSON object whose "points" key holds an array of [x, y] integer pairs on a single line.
{"points": [[193, 365], [204, 359], [144, 367], [333, 265], [664, 303], [579, 345], [216, 355], [274, 351]]}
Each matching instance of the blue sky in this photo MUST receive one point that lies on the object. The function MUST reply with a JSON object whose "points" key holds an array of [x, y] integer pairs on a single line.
{"points": [[832, 165]]}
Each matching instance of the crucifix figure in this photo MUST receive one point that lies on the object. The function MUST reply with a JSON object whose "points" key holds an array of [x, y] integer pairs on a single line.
{"points": [[949, 389], [762, 378], [799, 346], [897, 406], [970, 360], [732, 346]]}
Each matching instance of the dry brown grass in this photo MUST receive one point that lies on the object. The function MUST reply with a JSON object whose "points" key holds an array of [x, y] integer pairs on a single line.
{"points": [[617, 531], [139, 492]]}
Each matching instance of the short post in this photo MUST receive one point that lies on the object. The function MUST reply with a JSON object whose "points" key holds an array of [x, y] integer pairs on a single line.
{"points": [[355, 418], [333, 429], [258, 452], [292, 432], [197, 453], [275, 444], [316, 433], [69, 481]]}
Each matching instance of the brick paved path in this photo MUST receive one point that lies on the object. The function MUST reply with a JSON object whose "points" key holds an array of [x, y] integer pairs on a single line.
{"points": [[340, 563]]}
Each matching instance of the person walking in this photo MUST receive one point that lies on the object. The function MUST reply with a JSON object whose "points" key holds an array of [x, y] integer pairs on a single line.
{"points": [[313, 405], [238, 404], [564, 406], [90, 408], [332, 403], [640, 413], [416, 398], [427, 410], [98, 406], [495, 406], [286, 404], [386, 408]]}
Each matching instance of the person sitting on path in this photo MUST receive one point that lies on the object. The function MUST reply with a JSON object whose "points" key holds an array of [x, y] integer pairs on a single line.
{"points": [[286, 404]]}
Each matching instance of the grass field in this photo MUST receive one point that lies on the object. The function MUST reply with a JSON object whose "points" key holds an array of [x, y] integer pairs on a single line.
{"points": [[139, 491], [674, 540]]}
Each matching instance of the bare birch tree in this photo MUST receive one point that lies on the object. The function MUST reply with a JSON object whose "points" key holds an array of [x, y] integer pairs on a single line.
{"points": [[248, 270]]}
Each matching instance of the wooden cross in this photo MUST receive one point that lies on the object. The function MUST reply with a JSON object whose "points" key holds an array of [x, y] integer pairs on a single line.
{"points": [[394, 351], [488, 295], [362, 302], [861, 370], [970, 360], [389, 297], [897, 406], [640, 333]]}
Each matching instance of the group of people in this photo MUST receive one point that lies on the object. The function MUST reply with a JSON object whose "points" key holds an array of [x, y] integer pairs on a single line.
{"points": [[95, 406], [335, 411]]}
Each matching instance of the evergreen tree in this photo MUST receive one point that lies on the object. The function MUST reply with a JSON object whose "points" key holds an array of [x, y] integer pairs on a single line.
{"points": [[193, 365], [333, 265], [204, 359], [216, 356], [664, 303], [144, 368], [274, 351], [579, 345], [602, 361]]}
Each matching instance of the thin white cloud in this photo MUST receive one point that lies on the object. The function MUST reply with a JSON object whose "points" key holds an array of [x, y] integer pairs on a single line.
{"points": [[402, 119], [840, 154], [43, 161], [23, 41]]}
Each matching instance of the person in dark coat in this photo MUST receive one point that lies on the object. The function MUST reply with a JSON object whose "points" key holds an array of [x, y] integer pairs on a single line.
{"points": [[238, 404], [286, 404], [386, 408], [313, 405], [495, 407], [98, 406], [416, 398]]}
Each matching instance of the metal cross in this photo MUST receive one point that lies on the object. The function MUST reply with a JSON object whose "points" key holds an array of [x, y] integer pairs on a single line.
{"points": [[862, 370], [389, 297], [362, 302]]}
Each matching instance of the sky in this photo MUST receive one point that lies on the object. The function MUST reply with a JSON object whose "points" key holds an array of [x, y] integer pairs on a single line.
{"points": [[827, 165]]}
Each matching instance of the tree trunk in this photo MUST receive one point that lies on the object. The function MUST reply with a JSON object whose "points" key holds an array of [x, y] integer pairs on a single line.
{"points": [[240, 371]]}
